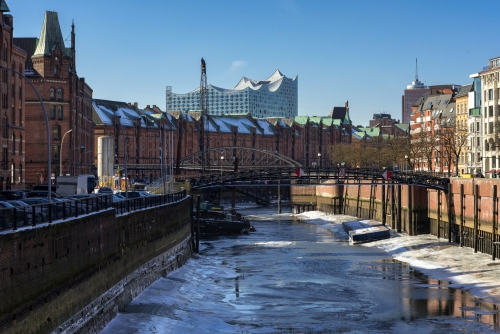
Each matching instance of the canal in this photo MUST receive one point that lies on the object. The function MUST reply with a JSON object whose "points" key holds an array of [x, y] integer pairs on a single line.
{"points": [[294, 277]]}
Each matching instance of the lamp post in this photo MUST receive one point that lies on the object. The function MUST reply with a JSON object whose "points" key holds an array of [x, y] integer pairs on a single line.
{"points": [[124, 154], [221, 161], [49, 166], [406, 160], [319, 165], [60, 152], [81, 162]]}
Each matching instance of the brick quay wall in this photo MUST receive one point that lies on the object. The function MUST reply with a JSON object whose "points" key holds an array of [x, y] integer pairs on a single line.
{"points": [[74, 276], [467, 213]]}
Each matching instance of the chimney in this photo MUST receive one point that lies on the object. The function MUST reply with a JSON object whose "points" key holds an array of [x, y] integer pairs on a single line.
{"points": [[135, 104]]}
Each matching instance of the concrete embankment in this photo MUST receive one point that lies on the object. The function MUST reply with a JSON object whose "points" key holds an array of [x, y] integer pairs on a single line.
{"points": [[89, 268]]}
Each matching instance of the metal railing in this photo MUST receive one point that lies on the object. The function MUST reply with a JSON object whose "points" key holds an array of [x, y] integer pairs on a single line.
{"points": [[13, 218]]}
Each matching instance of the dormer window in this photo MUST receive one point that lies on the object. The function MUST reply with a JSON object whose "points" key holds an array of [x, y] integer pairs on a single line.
{"points": [[56, 71]]}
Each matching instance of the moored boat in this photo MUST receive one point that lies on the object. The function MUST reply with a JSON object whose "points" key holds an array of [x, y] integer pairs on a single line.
{"points": [[213, 219]]}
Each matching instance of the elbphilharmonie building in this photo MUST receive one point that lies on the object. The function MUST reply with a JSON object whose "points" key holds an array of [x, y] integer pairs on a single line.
{"points": [[274, 97]]}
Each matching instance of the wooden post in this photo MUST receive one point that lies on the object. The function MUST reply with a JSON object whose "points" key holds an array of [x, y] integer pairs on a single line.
{"points": [[233, 202], [450, 207], [393, 211], [398, 220], [383, 203], [198, 224], [439, 213], [279, 196], [493, 221], [461, 215], [193, 234], [357, 201], [476, 218], [411, 224]]}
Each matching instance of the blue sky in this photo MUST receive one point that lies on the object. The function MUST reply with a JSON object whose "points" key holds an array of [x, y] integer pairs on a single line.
{"points": [[361, 51]]}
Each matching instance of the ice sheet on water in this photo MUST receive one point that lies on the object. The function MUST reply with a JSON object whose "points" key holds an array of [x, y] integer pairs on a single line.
{"points": [[475, 273]]}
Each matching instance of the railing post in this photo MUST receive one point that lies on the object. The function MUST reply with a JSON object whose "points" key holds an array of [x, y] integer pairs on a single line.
{"points": [[476, 218], [462, 218], [493, 222]]}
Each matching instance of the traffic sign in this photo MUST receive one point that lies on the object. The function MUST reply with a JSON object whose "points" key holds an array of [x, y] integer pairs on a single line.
{"points": [[387, 175], [341, 172]]}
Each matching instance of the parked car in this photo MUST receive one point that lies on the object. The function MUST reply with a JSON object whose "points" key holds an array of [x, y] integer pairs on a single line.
{"points": [[106, 190], [13, 194], [42, 208], [6, 215], [118, 198], [130, 194], [24, 213], [40, 193]]}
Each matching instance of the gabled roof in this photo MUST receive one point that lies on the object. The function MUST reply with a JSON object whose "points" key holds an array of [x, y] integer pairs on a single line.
{"points": [[50, 36], [464, 91]]}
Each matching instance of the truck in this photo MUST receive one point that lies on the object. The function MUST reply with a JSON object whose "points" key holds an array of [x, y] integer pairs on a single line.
{"points": [[75, 184]]}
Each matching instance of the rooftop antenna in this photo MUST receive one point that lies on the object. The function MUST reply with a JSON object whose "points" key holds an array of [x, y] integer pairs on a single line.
{"points": [[416, 69]]}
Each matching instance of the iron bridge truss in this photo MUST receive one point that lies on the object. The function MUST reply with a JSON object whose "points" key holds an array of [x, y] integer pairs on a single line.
{"points": [[287, 176]]}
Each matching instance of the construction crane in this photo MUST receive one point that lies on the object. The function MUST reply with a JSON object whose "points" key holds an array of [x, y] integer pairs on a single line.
{"points": [[204, 140]]}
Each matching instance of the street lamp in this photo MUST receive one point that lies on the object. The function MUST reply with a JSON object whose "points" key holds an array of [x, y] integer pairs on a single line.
{"points": [[49, 165], [81, 160], [406, 160], [60, 152], [221, 161], [124, 154], [319, 164]]}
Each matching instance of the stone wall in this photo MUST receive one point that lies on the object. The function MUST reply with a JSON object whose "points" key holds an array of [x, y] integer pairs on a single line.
{"points": [[51, 272], [465, 213]]}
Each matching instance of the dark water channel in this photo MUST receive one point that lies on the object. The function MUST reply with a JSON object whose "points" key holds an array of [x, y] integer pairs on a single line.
{"points": [[294, 277]]}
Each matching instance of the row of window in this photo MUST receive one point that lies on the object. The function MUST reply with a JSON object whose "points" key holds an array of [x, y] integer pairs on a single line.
{"points": [[53, 94], [53, 112]]}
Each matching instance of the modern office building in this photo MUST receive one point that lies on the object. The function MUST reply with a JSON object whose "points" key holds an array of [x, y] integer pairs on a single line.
{"points": [[277, 96], [411, 94]]}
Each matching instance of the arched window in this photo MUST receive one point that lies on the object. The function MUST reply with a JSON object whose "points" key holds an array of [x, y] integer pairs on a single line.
{"points": [[56, 131], [52, 93], [59, 112], [56, 149], [20, 176], [13, 143], [56, 71], [59, 94], [20, 144]]}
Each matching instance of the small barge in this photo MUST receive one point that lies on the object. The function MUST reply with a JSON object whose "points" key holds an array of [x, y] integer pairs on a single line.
{"points": [[365, 230], [214, 220]]}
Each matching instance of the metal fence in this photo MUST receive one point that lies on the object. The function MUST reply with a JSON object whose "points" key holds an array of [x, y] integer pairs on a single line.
{"points": [[62, 209]]}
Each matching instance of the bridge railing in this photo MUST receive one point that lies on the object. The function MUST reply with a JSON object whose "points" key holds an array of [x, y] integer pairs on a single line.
{"points": [[32, 215]]}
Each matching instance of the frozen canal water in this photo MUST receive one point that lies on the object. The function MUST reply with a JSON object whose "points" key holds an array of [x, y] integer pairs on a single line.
{"points": [[294, 277]]}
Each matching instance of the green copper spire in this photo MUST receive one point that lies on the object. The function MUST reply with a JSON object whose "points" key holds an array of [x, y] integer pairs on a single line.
{"points": [[50, 36]]}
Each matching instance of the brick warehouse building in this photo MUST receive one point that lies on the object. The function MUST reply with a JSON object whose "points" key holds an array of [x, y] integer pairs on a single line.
{"points": [[76, 122], [12, 87], [51, 67], [141, 130]]}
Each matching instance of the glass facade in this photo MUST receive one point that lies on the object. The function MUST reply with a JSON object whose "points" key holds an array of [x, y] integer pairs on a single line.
{"points": [[275, 97]]}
